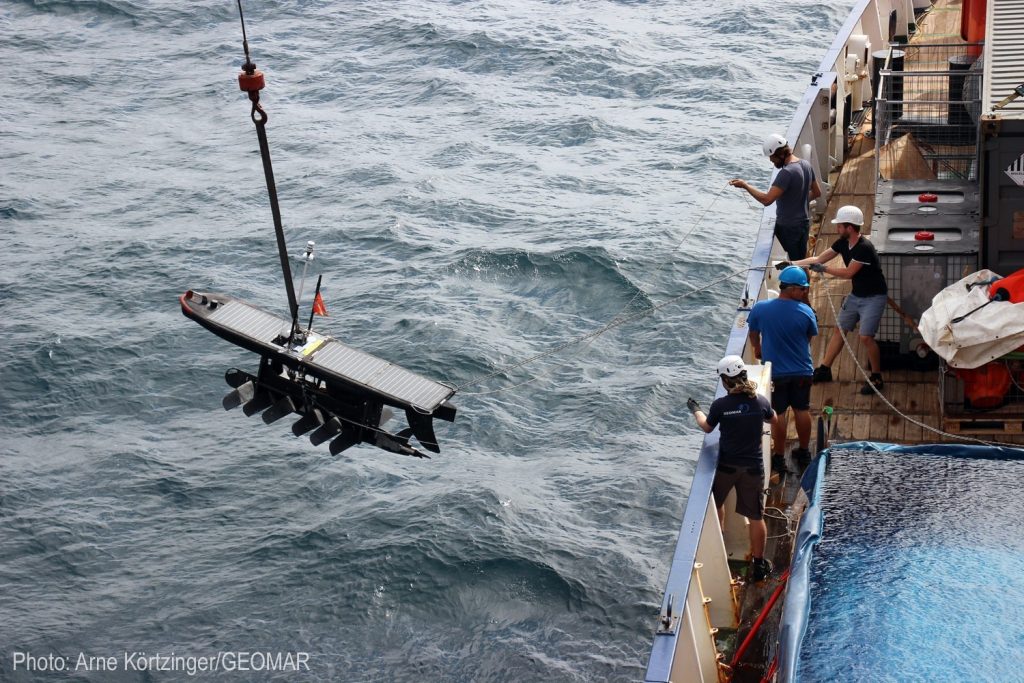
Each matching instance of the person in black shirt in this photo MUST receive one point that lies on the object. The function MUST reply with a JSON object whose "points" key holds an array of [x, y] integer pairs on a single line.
{"points": [[740, 416], [867, 298]]}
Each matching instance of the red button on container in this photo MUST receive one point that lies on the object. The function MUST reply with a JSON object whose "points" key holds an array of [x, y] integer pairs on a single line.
{"points": [[924, 235], [927, 197]]}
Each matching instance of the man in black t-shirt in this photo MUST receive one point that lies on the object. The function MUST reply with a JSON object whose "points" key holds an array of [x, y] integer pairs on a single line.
{"points": [[740, 415], [867, 299]]}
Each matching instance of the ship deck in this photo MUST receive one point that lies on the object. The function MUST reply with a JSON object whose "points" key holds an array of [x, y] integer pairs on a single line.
{"points": [[915, 394], [856, 417]]}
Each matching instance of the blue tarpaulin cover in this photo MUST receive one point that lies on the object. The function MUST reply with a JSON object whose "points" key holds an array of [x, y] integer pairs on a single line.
{"points": [[797, 606]]}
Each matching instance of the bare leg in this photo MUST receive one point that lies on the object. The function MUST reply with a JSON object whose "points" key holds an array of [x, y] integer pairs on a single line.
{"points": [[779, 433], [835, 345], [802, 418], [758, 535], [874, 353], [721, 518]]}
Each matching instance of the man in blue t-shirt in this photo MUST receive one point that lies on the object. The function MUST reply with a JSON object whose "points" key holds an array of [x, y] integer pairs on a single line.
{"points": [[780, 331], [794, 186]]}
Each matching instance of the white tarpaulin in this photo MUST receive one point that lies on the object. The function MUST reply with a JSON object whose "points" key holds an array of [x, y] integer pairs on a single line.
{"points": [[984, 335]]}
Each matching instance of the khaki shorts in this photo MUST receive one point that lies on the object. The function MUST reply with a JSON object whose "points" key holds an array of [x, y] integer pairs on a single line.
{"points": [[749, 485]]}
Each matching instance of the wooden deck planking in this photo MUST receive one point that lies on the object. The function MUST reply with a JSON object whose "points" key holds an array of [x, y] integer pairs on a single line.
{"points": [[858, 416]]}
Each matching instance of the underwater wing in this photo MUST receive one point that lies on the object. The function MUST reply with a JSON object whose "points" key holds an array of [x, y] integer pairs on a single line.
{"points": [[339, 393]]}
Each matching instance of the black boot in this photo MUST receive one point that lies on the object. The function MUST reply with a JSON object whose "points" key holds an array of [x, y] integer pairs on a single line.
{"points": [[875, 379], [760, 569]]}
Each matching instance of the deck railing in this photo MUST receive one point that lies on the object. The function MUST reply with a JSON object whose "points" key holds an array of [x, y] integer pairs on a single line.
{"points": [[818, 133]]}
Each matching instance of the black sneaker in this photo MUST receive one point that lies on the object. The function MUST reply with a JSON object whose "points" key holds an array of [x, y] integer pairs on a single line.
{"points": [[778, 463], [822, 373], [876, 380], [802, 457], [760, 569]]}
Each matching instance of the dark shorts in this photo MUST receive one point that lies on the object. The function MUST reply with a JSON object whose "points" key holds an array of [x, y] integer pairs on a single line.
{"points": [[793, 238], [749, 484], [792, 392]]}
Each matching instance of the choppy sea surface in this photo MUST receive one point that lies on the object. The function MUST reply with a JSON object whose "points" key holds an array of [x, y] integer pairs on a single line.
{"points": [[484, 181]]}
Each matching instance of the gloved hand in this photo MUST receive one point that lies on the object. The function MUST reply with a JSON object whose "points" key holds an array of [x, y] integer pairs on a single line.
{"points": [[692, 405], [782, 265], [817, 267]]}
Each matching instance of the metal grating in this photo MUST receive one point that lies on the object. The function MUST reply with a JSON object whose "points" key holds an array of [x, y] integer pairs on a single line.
{"points": [[945, 269], [927, 111], [362, 368], [1004, 56]]}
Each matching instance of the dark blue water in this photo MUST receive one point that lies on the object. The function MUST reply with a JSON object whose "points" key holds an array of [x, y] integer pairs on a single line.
{"points": [[918, 577], [484, 181]]}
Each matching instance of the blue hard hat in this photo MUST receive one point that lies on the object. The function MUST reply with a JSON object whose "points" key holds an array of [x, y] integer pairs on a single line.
{"points": [[794, 275]]}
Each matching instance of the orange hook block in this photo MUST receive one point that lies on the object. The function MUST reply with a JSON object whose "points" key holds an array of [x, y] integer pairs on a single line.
{"points": [[253, 82]]}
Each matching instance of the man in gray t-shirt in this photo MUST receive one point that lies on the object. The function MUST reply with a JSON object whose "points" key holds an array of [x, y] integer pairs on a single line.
{"points": [[795, 185]]}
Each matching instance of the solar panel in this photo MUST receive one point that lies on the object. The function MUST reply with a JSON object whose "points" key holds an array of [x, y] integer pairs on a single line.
{"points": [[351, 364]]}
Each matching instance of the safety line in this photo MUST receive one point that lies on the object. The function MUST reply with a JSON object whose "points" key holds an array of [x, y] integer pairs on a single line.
{"points": [[617, 322]]}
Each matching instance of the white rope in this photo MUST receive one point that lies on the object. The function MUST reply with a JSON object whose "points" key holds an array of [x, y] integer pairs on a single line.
{"points": [[589, 338], [864, 374], [791, 524], [616, 322]]}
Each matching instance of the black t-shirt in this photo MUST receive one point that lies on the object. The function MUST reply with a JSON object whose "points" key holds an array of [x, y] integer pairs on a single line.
{"points": [[869, 280], [741, 418]]}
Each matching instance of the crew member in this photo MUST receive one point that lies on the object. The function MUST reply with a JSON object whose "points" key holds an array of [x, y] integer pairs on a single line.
{"points": [[867, 299], [795, 185], [739, 415], [780, 331]]}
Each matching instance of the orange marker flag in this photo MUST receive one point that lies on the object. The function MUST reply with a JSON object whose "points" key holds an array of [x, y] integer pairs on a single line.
{"points": [[318, 305]]}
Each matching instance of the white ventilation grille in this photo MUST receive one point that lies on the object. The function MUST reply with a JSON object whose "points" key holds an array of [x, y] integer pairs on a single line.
{"points": [[1004, 56]]}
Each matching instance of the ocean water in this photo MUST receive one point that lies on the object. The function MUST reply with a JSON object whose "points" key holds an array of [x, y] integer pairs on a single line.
{"points": [[485, 182], [923, 583]]}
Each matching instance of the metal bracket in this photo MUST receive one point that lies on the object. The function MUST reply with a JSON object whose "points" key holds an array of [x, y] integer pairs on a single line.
{"points": [[668, 623]]}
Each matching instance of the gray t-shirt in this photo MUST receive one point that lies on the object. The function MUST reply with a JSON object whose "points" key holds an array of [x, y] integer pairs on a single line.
{"points": [[795, 181]]}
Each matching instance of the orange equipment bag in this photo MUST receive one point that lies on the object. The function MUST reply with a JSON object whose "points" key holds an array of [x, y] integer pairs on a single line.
{"points": [[987, 386], [1010, 288]]}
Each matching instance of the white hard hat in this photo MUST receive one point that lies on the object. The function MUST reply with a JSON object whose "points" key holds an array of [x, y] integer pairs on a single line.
{"points": [[731, 366], [849, 214], [773, 143]]}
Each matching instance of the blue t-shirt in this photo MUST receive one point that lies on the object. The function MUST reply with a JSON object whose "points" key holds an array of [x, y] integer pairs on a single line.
{"points": [[795, 182], [786, 327], [741, 419]]}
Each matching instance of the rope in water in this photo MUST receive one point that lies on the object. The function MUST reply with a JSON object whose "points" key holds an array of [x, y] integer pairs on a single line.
{"points": [[616, 320]]}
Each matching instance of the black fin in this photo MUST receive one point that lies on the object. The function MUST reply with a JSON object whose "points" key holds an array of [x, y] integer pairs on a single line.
{"points": [[282, 408], [328, 429]]}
